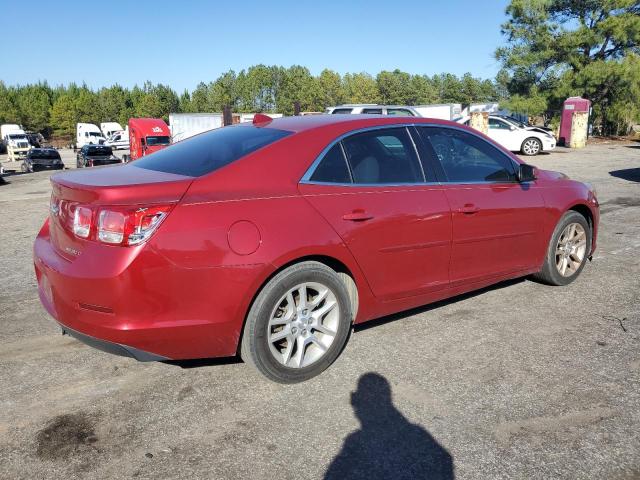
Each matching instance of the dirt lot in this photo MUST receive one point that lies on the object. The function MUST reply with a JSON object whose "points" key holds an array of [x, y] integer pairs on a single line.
{"points": [[518, 381]]}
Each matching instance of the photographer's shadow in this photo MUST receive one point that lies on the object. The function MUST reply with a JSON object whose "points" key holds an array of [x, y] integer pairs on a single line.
{"points": [[387, 446]]}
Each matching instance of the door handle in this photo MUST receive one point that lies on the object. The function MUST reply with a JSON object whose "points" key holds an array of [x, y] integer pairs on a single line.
{"points": [[357, 216], [468, 209]]}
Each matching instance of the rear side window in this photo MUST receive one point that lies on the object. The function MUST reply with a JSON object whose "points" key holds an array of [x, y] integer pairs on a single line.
{"points": [[332, 168], [383, 156], [47, 154], [99, 150], [399, 112], [467, 158], [337, 111], [372, 111], [211, 150]]}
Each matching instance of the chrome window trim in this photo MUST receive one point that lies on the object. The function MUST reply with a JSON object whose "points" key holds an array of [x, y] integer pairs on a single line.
{"points": [[306, 178]]}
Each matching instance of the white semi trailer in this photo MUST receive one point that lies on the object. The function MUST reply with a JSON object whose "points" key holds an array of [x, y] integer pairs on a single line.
{"points": [[185, 125]]}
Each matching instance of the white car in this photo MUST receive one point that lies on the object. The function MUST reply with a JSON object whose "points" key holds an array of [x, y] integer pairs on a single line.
{"points": [[516, 138]]}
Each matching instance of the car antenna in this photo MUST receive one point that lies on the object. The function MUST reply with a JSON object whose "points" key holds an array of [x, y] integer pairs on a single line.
{"points": [[261, 119]]}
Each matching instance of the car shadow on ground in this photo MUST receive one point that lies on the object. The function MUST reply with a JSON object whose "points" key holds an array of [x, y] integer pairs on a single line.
{"points": [[435, 305], [630, 174], [387, 445], [204, 362]]}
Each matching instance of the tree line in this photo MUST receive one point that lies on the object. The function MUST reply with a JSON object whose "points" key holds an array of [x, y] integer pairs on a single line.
{"points": [[260, 88], [554, 49]]}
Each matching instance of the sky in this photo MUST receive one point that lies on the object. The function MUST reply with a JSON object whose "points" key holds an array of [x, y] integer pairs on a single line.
{"points": [[181, 43]]}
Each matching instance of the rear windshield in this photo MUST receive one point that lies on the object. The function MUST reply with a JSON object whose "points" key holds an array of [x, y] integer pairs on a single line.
{"points": [[211, 150], [48, 154], [158, 141], [101, 150]]}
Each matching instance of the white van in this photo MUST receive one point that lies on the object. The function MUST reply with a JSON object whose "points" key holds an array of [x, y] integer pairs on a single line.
{"points": [[444, 111], [118, 140], [88, 133], [109, 128]]}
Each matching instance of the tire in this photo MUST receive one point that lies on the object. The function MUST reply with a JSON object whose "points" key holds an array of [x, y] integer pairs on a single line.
{"points": [[531, 146], [273, 305], [551, 272]]}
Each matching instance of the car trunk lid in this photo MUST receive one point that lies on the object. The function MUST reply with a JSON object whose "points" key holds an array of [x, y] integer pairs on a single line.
{"points": [[120, 185]]}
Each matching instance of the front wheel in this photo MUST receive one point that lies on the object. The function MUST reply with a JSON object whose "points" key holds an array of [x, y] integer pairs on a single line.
{"points": [[531, 146], [568, 250], [298, 324]]}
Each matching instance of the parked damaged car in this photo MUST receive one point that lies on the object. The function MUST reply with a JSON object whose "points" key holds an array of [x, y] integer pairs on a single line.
{"points": [[42, 159], [94, 155]]}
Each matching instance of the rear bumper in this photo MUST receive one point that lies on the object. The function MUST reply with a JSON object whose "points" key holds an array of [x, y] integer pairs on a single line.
{"points": [[41, 166], [98, 163], [114, 348], [135, 302]]}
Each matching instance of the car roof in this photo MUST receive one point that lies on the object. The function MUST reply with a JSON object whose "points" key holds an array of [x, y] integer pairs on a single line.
{"points": [[346, 122]]}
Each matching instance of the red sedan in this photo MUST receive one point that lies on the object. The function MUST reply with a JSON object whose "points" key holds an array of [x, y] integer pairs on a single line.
{"points": [[271, 239]]}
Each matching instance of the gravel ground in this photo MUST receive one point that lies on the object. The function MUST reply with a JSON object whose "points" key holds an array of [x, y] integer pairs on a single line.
{"points": [[517, 381]]}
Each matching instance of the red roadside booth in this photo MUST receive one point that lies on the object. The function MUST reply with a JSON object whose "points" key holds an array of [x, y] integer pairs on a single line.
{"points": [[571, 105]]}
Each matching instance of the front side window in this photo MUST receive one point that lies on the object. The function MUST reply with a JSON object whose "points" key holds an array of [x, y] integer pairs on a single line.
{"points": [[496, 124], [338, 111], [383, 156], [467, 158], [332, 168], [209, 151]]}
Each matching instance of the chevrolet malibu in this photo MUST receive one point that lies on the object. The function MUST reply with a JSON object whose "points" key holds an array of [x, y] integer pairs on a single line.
{"points": [[272, 239]]}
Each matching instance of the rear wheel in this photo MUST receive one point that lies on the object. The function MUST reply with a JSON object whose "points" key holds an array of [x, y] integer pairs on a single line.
{"points": [[531, 146], [568, 250], [298, 324]]}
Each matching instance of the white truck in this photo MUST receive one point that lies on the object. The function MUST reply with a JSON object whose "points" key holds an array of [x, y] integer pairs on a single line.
{"points": [[109, 128], [88, 134], [443, 111], [15, 140]]}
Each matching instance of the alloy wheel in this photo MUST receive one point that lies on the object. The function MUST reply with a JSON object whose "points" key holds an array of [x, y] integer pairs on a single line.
{"points": [[531, 147], [303, 325], [571, 249]]}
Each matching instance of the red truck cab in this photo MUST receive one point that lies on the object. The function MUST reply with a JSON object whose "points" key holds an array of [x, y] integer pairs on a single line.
{"points": [[147, 135]]}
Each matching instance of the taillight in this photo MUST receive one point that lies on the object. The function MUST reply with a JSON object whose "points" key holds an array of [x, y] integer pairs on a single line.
{"points": [[111, 227], [82, 221], [144, 223], [119, 225]]}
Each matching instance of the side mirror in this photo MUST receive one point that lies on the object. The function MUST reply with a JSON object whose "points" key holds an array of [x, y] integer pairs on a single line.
{"points": [[526, 173], [512, 128]]}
